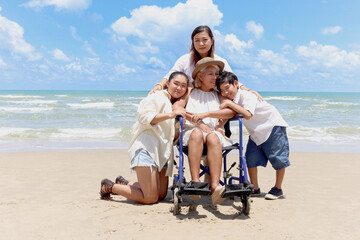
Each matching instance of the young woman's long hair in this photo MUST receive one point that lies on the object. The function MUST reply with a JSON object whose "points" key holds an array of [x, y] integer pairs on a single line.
{"points": [[195, 55]]}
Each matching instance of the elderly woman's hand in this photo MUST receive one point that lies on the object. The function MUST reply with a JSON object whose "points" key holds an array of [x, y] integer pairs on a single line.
{"points": [[195, 117], [222, 131]]}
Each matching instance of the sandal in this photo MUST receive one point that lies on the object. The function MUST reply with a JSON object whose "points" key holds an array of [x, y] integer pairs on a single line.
{"points": [[121, 180], [106, 189]]}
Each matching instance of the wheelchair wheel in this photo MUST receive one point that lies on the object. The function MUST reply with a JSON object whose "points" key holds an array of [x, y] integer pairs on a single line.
{"points": [[176, 209], [246, 201]]}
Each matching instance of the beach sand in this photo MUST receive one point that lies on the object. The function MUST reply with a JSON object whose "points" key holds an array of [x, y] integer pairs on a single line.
{"points": [[55, 195]]}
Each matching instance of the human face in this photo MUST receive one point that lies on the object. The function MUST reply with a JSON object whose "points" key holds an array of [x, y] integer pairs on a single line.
{"points": [[202, 43], [208, 78], [177, 87], [229, 90]]}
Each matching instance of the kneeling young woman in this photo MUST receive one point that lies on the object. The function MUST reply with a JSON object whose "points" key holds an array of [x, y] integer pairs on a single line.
{"points": [[151, 147]]}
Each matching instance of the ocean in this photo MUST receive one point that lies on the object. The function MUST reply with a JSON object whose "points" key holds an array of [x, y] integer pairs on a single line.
{"points": [[53, 120]]}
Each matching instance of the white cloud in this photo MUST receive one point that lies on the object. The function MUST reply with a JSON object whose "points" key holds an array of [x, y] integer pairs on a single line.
{"points": [[234, 44], [122, 69], [89, 49], [74, 66], [158, 24], [74, 33], [256, 29], [2, 63], [12, 39], [328, 55], [146, 47], [274, 63], [60, 55], [71, 5], [156, 63], [280, 36], [331, 30]]}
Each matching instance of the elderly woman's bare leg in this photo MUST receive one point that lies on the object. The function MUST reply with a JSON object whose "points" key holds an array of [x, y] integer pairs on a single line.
{"points": [[196, 146], [214, 157]]}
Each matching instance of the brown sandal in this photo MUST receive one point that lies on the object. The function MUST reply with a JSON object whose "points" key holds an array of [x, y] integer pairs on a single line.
{"points": [[106, 189], [121, 180]]}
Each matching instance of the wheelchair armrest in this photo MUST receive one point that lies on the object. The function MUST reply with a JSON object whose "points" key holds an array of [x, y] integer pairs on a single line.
{"points": [[236, 117]]}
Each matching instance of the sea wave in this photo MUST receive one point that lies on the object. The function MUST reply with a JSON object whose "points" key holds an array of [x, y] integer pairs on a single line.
{"points": [[105, 105], [37, 102], [285, 98], [26, 109], [20, 96], [121, 134]]}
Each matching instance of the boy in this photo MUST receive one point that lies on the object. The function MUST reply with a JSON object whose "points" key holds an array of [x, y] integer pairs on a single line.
{"points": [[268, 140]]}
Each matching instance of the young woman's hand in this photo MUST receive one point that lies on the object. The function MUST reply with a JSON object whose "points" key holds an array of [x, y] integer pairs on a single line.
{"points": [[177, 112], [257, 95]]}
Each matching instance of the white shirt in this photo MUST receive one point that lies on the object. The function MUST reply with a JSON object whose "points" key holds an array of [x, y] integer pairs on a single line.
{"points": [[186, 65], [265, 116], [157, 139]]}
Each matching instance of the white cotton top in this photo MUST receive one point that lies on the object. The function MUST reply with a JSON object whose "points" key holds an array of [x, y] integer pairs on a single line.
{"points": [[185, 64], [157, 139], [265, 116], [201, 102]]}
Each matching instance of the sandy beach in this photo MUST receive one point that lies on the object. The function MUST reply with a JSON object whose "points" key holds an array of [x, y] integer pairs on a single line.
{"points": [[54, 195]]}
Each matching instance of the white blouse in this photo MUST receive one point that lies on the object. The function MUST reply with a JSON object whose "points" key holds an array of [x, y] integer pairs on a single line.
{"points": [[201, 102]]}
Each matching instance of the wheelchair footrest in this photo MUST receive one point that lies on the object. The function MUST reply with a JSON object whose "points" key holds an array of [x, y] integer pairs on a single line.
{"points": [[196, 188], [236, 190]]}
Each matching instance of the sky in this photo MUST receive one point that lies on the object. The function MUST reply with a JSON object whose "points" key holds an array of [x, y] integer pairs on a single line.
{"points": [[279, 45]]}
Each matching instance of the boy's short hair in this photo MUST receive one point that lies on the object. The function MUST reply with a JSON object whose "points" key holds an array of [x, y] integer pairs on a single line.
{"points": [[226, 77]]}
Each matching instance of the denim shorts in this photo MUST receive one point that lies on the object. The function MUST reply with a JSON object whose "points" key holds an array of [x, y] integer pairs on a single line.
{"points": [[142, 159], [275, 149]]}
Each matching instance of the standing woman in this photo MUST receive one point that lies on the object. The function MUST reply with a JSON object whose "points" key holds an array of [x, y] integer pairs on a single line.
{"points": [[151, 148], [203, 45]]}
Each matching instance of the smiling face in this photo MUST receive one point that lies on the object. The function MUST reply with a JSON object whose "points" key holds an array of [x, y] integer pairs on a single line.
{"points": [[229, 90], [177, 86], [202, 43], [208, 78]]}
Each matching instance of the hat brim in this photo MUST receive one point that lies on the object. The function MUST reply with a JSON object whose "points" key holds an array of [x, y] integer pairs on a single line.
{"points": [[198, 68]]}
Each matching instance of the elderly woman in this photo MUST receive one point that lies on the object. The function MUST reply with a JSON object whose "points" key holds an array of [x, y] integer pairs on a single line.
{"points": [[203, 114]]}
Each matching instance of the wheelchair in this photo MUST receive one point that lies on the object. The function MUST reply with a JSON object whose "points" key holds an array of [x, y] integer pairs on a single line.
{"points": [[235, 186]]}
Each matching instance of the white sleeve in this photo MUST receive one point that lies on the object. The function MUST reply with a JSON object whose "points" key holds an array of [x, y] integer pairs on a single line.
{"points": [[179, 66]]}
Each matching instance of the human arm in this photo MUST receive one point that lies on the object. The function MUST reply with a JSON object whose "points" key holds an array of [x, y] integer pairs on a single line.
{"points": [[160, 86], [252, 91], [165, 116], [237, 108]]}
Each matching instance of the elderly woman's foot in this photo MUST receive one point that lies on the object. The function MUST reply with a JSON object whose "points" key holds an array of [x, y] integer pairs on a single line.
{"points": [[121, 180], [216, 196], [106, 189]]}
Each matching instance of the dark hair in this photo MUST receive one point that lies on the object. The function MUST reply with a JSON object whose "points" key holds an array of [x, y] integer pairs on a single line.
{"points": [[174, 74], [226, 77], [195, 55]]}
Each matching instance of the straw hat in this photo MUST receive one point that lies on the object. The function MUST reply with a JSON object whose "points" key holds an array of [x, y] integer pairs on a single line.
{"points": [[204, 62]]}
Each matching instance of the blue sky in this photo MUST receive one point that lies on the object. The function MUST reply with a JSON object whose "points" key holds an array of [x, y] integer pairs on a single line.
{"points": [[310, 45]]}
